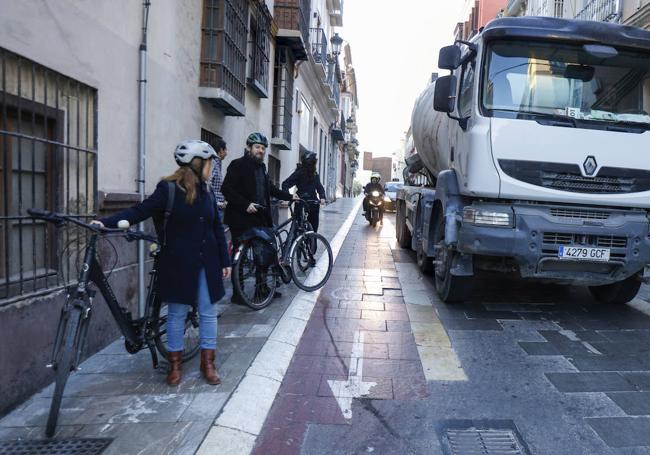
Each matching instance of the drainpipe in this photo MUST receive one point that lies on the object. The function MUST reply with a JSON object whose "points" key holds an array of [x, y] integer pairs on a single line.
{"points": [[142, 151]]}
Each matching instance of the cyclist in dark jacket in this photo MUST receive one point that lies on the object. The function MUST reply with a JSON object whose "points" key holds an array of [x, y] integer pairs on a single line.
{"points": [[248, 191], [194, 256], [306, 180]]}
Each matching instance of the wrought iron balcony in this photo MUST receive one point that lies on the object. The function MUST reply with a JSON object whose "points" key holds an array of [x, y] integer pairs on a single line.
{"points": [[318, 44], [334, 85], [601, 10], [292, 18]]}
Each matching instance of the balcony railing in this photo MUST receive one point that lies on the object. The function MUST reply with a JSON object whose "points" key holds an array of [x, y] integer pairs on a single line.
{"points": [[318, 42], [292, 19], [333, 82], [601, 10], [552, 8]]}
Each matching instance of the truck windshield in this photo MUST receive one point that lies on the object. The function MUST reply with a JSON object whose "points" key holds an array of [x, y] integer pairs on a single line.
{"points": [[526, 80]]}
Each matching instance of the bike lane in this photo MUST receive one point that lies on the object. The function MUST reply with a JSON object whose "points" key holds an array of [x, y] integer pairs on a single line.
{"points": [[359, 346]]}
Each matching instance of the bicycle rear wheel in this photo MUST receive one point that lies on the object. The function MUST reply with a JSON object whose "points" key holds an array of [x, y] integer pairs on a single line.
{"points": [[255, 285], [63, 362], [311, 261], [191, 341]]}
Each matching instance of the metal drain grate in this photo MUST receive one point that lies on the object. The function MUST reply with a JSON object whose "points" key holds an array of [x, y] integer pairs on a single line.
{"points": [[473, 441], [76, 446]]}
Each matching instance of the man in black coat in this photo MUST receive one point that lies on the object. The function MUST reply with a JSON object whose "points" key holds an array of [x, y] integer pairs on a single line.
{"points": [[248, 190]]}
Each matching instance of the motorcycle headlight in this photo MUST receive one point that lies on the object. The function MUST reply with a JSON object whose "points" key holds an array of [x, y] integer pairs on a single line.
{"points": [[488, 217], [375, 194]]}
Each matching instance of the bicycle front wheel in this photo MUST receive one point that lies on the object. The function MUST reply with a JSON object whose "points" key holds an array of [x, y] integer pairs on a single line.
{"points": [[253, 283], [191, 341], [63, 362], [311, 261]]}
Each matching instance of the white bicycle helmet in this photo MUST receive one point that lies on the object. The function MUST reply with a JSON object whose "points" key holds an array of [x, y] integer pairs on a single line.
{"points": [[186, 151]]}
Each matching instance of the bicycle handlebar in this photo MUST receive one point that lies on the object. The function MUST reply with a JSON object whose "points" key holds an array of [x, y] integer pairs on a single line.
{"points": [[61, 219]]}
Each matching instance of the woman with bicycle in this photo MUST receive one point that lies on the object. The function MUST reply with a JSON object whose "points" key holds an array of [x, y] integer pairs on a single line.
{"points": [[307, 181], [194, 258]]}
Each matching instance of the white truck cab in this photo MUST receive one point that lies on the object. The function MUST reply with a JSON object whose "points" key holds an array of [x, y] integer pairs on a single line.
{"points": [[538, 145]]}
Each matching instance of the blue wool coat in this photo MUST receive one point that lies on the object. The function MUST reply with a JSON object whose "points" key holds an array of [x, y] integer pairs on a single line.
{"points": [[195, 241]]}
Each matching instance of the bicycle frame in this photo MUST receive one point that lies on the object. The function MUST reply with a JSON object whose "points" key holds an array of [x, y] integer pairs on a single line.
{"points": [[80, 294]]}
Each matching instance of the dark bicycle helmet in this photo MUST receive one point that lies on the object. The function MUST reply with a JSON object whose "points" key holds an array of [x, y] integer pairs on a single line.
{"points": [[257, 138], [308, 158]]}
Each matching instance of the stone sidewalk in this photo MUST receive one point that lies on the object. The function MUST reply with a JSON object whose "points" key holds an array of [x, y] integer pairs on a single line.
{"points": [[119, 396]]}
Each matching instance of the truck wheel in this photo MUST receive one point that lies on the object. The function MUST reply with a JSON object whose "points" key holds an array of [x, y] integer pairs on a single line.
{"points": [[450, 288], [403, 233], [617, 293], [424, 262]]}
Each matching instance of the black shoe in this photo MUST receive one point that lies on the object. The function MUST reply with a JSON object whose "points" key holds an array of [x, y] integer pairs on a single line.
{"points": [[277, 295], [237, 300]]}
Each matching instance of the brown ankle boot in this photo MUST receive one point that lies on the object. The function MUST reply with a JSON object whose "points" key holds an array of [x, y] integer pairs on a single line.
{"points": [[207, 367], [175, 361]]}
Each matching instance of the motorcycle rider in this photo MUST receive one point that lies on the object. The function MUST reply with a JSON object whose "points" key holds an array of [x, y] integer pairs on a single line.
{"points": [[374, 185]]}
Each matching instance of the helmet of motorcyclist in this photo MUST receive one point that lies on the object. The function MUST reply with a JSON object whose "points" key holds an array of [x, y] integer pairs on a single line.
{"points": [[186, 151], [375, 177], [257, 138]]}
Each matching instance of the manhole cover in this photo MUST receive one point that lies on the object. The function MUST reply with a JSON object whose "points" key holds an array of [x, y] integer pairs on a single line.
{"points": [[482, 438], [75, 446]]}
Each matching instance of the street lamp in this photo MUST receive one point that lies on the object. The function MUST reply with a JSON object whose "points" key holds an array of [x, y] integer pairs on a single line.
{"points": [[336, 41]]}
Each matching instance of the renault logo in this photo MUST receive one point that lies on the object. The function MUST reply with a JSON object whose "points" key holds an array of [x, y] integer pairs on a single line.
{"points": [[590, 166]]}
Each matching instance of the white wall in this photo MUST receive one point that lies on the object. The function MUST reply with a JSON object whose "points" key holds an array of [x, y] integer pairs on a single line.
{"points": [[96, 42]]}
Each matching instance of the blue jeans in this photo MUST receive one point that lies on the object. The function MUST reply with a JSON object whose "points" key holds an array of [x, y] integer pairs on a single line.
{"points": [[177, 313]]}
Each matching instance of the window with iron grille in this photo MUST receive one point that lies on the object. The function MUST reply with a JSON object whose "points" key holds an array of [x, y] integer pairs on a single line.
{"points": [[260, 26], [283, 95], [211, 138], [48, 160], [223, 46]]}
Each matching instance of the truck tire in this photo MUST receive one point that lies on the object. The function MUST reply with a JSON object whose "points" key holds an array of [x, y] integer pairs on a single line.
{"points": [[450, 288], [425, 264], [617, 293], [403, 233]]}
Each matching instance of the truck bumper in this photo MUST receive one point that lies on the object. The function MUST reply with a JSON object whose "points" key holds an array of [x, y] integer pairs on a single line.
{"points": [[540, 230]]}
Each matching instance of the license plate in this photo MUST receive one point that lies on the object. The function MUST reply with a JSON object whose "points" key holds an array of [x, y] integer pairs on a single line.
{"points": [[581, 253]]}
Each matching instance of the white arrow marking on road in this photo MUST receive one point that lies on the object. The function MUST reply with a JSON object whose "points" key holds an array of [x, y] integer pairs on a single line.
{"points": [[354, 387]]}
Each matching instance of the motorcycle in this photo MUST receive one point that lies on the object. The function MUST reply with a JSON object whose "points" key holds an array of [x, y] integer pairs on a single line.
{"points": [[375, 212]]}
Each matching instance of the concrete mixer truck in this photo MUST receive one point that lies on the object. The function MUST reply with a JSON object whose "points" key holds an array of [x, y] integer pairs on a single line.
{"points": [[537, 152]]}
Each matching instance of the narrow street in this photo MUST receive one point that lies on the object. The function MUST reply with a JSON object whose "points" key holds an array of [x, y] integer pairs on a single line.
{"points": [[385, 367]]}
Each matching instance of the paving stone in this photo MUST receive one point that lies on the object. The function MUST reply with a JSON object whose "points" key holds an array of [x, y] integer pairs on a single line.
{"points": [[285, 440], [303, 384], [622, 431], [260, 330], [641, 381], [308, 409], [472, 324], [538, 348], [382, 298], [227, 441], [492, 315], [610, 363], [403, 352], [589, 382], [384, 315], [302, 364], [361, 305], [398, 326], [204, 406], [633, 403]]}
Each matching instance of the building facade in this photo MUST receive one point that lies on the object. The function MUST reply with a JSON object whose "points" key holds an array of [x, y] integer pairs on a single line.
{"points": [[629, 12], [476, 14], [70, 130]]}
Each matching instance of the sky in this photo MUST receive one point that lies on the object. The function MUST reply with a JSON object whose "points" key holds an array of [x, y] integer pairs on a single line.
{"points": [[394, 48]]}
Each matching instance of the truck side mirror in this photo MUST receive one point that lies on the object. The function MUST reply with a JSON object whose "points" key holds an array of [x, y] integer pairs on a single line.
{"points": [[444, 96], [449, 58]]}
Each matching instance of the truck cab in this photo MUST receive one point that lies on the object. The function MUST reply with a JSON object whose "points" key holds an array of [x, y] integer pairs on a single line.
{"points": [[538, 150]]}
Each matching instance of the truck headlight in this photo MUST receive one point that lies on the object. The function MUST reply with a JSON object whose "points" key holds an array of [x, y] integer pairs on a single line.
{"points": [[487, 217]]}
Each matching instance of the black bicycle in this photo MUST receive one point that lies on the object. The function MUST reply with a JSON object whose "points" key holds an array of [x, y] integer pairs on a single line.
{"points": [[148, 331], [291, 251]]}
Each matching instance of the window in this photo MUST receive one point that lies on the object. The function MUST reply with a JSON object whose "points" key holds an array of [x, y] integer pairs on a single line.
{"points": [[211, 138], [465, 93], [283, 95], [47, 161], [223, 46], [260, 25], [274, 170]]}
